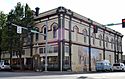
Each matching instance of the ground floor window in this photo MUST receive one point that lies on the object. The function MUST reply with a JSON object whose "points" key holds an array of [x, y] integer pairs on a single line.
{"points": [[52, 62], [29, 61], [110, 58], [16, 61], [66, 60], [100, 56]]}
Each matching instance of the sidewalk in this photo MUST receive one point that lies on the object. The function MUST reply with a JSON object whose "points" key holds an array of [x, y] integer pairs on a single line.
{"points": [[52, 72]]}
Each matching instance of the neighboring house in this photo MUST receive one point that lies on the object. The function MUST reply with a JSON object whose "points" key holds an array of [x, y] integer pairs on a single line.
{"points": [[71, 42]]}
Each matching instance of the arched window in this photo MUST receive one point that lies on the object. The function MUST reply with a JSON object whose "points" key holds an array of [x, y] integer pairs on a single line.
{"points": [[76, 33], [112, 41], [93, 36], [37, 35], [100, 40], [44, 30], [107, 40], [55, 31], [54, 28], [85, 35]]}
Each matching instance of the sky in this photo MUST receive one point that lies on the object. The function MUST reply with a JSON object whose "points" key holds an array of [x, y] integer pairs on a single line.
{"points": [[101, 11]]}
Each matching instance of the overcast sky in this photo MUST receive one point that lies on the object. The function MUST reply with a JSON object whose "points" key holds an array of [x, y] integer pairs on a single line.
{"points": [[101, 11]]}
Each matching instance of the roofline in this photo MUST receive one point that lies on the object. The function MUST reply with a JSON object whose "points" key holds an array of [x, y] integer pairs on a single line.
{"points": [[75, 15]]}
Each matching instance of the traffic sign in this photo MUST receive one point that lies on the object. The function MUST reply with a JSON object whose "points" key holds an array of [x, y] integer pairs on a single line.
{"points": [[34, 31], [19, 29]]}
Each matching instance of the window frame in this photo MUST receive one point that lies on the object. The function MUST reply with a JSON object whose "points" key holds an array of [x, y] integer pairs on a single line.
{"points": [[55, 31], [44, 31], [93, 37], [107, 40], [85, 35], [100, 40]]}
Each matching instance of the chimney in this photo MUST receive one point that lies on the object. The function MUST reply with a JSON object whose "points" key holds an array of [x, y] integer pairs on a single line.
{"points": [[37, 11]]}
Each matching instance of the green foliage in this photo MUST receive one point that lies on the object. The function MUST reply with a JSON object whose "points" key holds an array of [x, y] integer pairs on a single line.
{"points": [[3, 31], [2, 19], [23, 16]]}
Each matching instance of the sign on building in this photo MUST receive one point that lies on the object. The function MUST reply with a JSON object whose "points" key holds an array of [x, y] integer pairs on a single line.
{"points": [[19, 29]]}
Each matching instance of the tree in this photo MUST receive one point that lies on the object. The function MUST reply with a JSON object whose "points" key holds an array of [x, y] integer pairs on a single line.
{"points": [[22, 16], [3, 33]]}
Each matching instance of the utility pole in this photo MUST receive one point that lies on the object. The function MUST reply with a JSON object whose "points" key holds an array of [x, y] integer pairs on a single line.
{"points": [[90, 24], [30, 35], [46, 61], [10, 40]]}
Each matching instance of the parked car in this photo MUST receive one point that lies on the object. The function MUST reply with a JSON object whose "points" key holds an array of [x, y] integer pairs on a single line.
{"points": [[15, 66], [103, 65], [118, 67], [4, 66]]}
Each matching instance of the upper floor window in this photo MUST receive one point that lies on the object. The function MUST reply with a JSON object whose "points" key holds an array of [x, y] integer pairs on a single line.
{"points": [[50, 49], [37, 35], [67, 49], [100, 40], [14, 53], [85, 35], [55, 49], [100, 56], [55, 31], [119, 45], [76, 33], [112, 41], [107, 40], [93, 36], [44, 33], [41, 50], [23, 52]]}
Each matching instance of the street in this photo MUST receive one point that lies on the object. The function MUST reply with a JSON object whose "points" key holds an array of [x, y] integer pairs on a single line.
{"points": [[61, 75]]}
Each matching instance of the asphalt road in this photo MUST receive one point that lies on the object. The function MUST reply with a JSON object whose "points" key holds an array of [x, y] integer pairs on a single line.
{"points": [[61, 75]]}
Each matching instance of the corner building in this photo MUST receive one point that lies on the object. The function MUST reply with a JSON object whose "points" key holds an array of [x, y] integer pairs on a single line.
{"points": [[72, 44]]}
